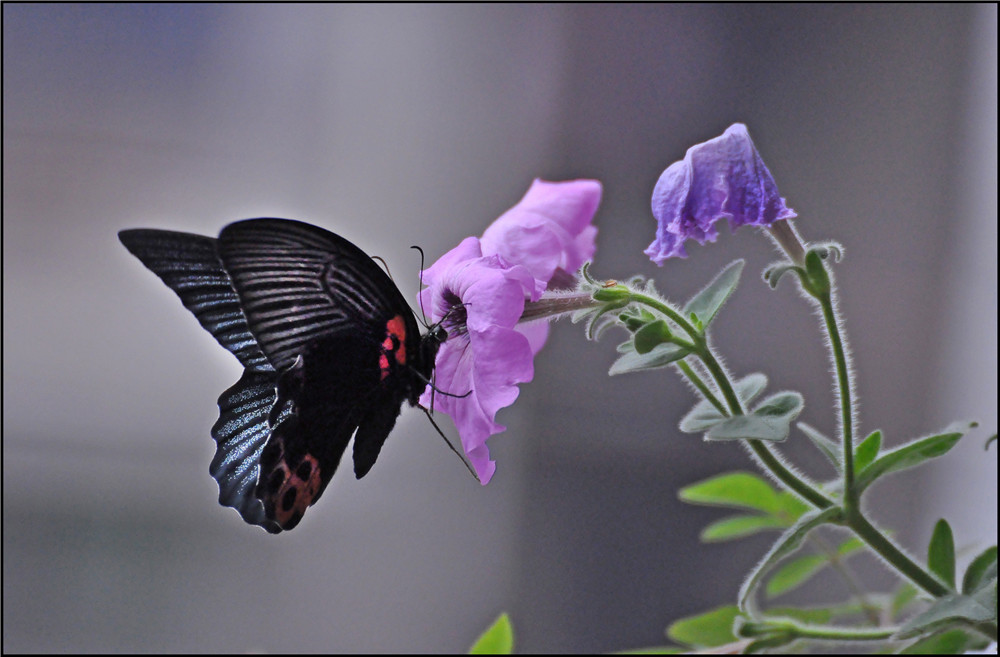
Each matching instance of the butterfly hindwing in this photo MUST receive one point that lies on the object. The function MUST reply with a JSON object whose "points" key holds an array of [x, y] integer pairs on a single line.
{"points": [[241, 433]]}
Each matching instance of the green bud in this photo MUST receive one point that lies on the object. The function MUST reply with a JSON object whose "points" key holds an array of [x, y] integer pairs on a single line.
{"points": [[816, 274], [617, 293]]}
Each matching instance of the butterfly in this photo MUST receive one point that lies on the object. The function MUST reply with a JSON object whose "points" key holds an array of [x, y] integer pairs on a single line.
{"points": [[330, 350]]}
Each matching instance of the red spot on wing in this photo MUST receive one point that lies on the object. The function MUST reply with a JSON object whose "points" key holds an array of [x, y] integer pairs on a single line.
{"points": [[394, 344]]}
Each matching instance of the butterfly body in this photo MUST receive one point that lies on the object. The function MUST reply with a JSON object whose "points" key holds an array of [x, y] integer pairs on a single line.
{"points": [[330, 349]]}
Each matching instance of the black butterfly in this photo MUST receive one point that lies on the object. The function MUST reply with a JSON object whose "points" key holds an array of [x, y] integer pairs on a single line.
{"points": [[330, 348]]}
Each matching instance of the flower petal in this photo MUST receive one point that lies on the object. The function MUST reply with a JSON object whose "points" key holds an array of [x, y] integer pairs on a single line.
{"points": [[549, 228], [724, 177]]}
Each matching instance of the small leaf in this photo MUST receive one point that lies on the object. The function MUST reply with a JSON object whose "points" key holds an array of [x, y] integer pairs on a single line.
{"points": [[746, 427], [849, 546], [712, 628], [791, 506], [660, 356], [750, 386], [651, 335], [741, 490], [867, 450], [911, 454], [739, 526], [946, 611], [794, 573], [797, 572], [704, 415], [497, 640], [774, 272], [906, 595], [824, 444], [980, 570], [941, 553], [706, 304], [788, 543], [780, 405], [952, 642], [769, 421], [701, 418]]}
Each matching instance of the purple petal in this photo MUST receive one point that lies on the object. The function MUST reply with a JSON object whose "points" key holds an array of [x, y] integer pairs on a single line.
{"points": [[721, 178], [549, 228]]}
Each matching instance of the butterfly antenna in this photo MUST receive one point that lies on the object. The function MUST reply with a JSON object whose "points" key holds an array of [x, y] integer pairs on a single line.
{"points": [[385, 265], [450, 446], [420, 297]]}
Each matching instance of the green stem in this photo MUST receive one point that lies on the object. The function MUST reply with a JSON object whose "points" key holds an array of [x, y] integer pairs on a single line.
{"points": [[701, 386], [854, 519], [845, 389], [899, 560], [763, 451], [834, 633]]}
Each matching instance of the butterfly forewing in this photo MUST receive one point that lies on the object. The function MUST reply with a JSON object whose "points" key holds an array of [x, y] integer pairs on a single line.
{"points": [[298, 283], [190, 266]]}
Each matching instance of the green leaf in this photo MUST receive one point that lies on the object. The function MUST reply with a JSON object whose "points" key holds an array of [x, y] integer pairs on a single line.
{"points": [[651, 335], [952, 642], [867, 450], [712, 628], [950, 610], [798, 571], [701, 418], [941, 553], [741, 490], [911, 454], [734, 527], [904, 597], [750, 386], [769, 421], [849, 546], [497, 640], [824, 444], [774, 272], [706, 304], [980, 570], [794, 573], [791, 507], [747, 427], [659, 356], [704, 415], [788, 543]]}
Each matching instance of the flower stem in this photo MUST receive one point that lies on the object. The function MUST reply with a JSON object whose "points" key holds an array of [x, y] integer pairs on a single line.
{"points": [[845, 387], [701, 386], [771, 461], [898, 559], [793, 630], [853, 518]]}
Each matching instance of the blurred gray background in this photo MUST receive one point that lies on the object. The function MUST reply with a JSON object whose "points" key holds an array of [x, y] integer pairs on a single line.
{"points": [[400, 125]]}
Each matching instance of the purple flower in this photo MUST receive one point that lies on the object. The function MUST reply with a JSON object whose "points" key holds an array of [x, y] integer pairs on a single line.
{"points": [[478, 291], [549, 229], [721, 178]]}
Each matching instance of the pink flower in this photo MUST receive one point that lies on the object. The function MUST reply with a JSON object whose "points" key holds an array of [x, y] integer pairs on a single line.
{"points": [[478, 291]]}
